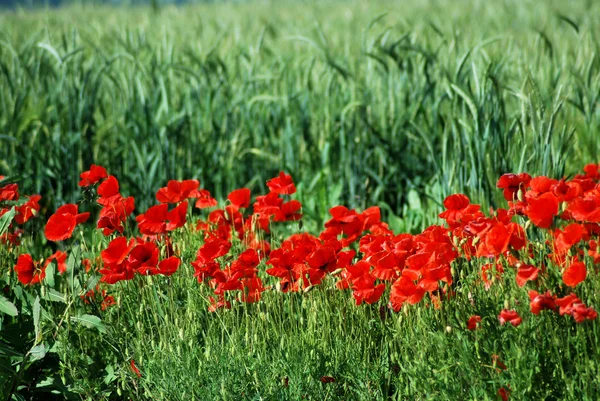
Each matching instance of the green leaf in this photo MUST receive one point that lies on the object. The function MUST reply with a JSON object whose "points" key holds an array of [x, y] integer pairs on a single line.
{"points": [[49, 280], [90, 321], [6, 219], [8, 307], [54, 296], [37, 352], [36, 317]]}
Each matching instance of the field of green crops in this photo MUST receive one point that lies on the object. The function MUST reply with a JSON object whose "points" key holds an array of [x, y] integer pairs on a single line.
{"points": [[369, 104]]}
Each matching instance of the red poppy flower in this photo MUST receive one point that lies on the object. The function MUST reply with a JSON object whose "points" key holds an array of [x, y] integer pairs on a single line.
{"points": [[176, 191], [473, 322], [134, 368], [240, 198], [581, 313], [112, 216], [365, 290], [541, 210], [28, 271], [512, 183], [510, 316], [61, 224], [28, 209], [540, 302], [405, 290], [204, 200], [117, 251], [571, 235], [289, 211], [252, 289], [592, 171], [92, 176], [108, 190], [574, 274], [526, 273], [212, 250], [282, 185], [586, 209], [221, 303], [459, 210], [168, 266], [143, 258], [9, 192], [327, 379], [503, 393]]}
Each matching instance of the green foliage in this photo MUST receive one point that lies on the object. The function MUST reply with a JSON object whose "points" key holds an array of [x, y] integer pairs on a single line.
{"points": [[380, 103]]}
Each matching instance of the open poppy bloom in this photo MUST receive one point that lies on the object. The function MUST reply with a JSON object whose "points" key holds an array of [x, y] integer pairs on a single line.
{"points": [[177, 191], [28, 271], [526, 273], [240, 198], [62, 223], [28, 209], [473, 322], [282, 184], [540, 302], [574, 274], [9, 192], [510, 316], [92, 176]]}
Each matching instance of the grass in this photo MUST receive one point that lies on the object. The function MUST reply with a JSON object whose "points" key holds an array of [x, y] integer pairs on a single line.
{"points": [[380, 98], [364, 103]]}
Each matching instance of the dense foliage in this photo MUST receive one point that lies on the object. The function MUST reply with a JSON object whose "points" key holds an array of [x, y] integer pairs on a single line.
{"points": [[376, 97]]}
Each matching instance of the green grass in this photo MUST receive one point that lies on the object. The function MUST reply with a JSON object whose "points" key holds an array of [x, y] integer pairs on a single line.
{"points": [[376, 96]]}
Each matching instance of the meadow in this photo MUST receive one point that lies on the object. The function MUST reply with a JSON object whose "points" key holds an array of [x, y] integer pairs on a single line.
{"points": [[334, 200]]}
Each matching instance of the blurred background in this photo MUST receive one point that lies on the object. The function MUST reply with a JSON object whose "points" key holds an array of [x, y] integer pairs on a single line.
{"points": [[396, 104]]}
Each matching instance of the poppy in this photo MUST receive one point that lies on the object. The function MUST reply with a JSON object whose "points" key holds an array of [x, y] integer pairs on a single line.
{"points": [[473, 322], [108, 191], [542, 210], [176, 191], [540, 302], [9, 192], [62, 223], [28, 209], [574, 274], [134, 368], [567, 238], [205, 200], [240, 198], [526, 273], [509, 316], [503, 393], [28, 271], [92, 176], [512, 183], [282, 184]]}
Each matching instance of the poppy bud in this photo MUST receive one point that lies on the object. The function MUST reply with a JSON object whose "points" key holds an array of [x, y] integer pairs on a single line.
{"points": [[309, 288], [336, 272], [455, 241], [520, 195], [448, 329], [506, 304]]}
